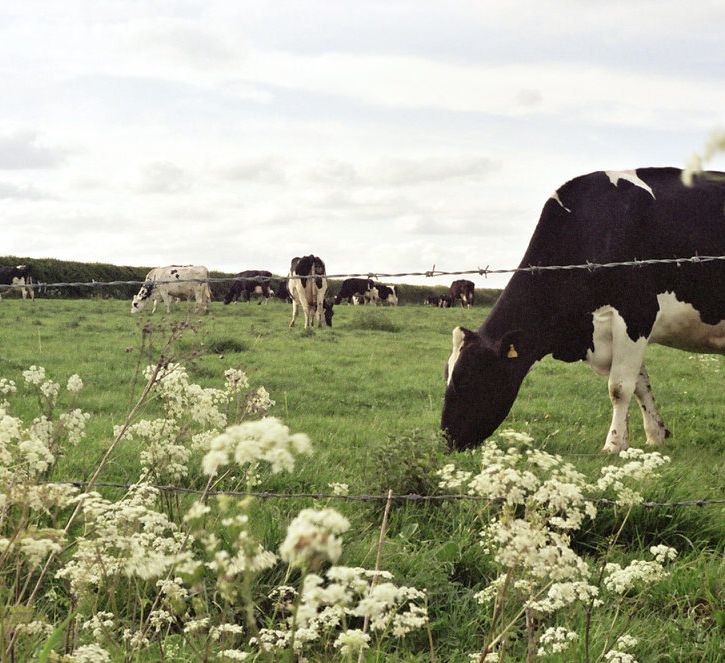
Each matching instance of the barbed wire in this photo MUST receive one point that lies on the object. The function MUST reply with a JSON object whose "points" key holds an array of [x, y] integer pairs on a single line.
{"points": [[410, 497], [432, 273]]}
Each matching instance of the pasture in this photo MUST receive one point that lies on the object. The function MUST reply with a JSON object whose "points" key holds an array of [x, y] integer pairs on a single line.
{"points": [[368, 392]]}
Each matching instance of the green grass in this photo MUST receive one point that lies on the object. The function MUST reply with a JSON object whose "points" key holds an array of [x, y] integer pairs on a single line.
{"points": [[368, 392]]}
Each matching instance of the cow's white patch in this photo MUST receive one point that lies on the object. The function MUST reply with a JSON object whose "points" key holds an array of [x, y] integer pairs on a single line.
{"points": [[555, 196], [629, 175], [458, 338], [678, 325]]}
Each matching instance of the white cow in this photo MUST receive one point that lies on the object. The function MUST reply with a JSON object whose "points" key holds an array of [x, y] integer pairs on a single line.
{"points": [[309, 293], [169, 283]]}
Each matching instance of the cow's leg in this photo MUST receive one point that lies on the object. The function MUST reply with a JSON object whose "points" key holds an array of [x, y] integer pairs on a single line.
{"points": [[654, 426], [627, 358], [167, 300], [295, 306]]}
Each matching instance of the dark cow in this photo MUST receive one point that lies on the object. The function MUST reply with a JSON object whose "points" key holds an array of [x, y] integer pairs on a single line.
{"points": [[282, 292], [431, 300], [351, 287], [604, 316], [445, 301], [463, 290], [251, 281], [308, 292], [387, 294], [18, 276]]}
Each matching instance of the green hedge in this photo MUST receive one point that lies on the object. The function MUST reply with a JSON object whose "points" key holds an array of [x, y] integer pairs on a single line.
{"points": [[50, 270]]}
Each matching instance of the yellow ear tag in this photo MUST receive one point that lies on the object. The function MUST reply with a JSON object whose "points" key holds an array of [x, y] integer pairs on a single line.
{"points": [[511, 354]]}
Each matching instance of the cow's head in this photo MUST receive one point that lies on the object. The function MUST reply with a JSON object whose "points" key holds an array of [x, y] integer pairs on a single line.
{"points": [[327, 306], [483, 379], [139, 300]]}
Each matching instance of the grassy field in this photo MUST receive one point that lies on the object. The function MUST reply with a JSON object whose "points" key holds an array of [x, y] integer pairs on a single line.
{"points": [[368, 392]]}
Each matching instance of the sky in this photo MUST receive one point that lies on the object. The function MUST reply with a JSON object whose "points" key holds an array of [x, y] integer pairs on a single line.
{"points": [[383, 136]]}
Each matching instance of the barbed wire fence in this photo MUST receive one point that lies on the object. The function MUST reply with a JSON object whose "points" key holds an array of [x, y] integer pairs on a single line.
{"points": [[432, 273], [408, 498]]}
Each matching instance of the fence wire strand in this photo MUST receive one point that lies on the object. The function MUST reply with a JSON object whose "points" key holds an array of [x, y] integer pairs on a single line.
{"points": [[410, 497], [432, 273]]}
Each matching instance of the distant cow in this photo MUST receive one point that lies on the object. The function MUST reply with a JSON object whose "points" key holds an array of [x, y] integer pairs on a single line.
{"points": [[445, 301], [282, 291], [352, 287], [167, 283], [17, 276], [387, 294], [251, 282], [308, 292], [431, 300], [605, 317], [463, 290]]}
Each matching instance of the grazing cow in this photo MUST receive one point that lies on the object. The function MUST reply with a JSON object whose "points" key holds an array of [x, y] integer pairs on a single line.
{"points": [[352, 287], [387, 294], [175, 281], [17, 276], [463, 290], [309, 293], [251, 282], [607, 316], [445, 301], [282, 292], [431, 300]]}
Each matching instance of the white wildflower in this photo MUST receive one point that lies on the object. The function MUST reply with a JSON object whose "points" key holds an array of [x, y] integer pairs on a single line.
{"points": [[313, 535], [236, 380], [339, 488], [663, 554], [555, 640], [7, 387], [35, 375], [50, 390], [352, 641], [639, 572], [233, 655], [260, 402], [89, 654], [75, 384]]}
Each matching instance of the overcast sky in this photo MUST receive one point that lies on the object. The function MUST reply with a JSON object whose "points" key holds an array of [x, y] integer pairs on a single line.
{"points": [[381, 135]]}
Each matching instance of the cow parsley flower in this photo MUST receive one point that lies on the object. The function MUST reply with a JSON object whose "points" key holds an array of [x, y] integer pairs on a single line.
{"points": [[236, 380], [555, 640], [89, 654], [639, 572], [352, 641], [663, 554], [7, 387], [75, 384], [312, 535], [339, 488], [260, 402], [35, 375], [267, 440]]}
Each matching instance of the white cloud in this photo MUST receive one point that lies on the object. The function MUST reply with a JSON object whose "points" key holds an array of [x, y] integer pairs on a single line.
{"points": [[24, 150]]}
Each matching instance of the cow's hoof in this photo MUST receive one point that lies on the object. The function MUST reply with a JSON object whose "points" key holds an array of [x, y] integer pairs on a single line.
{"points": [[610, 448]]}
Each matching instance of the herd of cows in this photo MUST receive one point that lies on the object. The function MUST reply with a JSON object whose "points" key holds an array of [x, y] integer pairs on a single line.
{"points": [[305, 287], [605, 317]]}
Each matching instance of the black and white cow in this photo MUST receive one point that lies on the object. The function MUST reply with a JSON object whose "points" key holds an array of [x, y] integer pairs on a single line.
{"points": [[445, 301], [18, 276], [387, 294], [463, 290], [362, 287], [251, 282], [282, 291], [431, 300], [309, 293], [174, 282], [607, 316]]}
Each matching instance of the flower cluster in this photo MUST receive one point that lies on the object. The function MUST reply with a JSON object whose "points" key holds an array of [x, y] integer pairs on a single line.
{"points": [[536, 500], [327, 603]]}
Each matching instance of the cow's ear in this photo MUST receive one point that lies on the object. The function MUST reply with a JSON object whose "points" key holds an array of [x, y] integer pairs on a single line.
{"points": [[510, 345], [462, 336]]}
